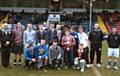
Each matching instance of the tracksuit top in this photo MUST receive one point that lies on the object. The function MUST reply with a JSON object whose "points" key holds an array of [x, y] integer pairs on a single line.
{"points": [[41, 50], [113, 40], [29, 55]]}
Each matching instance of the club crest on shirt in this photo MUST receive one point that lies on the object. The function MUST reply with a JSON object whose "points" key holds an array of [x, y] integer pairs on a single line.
{"points": [[116, 38], [41, 51]]}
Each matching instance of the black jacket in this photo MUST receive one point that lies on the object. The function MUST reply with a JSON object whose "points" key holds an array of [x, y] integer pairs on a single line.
{"points": [[113, 40], [96, 38], [6, 37], [0, 35]]}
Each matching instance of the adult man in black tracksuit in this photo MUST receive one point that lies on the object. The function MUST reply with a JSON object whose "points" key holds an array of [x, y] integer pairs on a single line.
{"points": [[113, 48], [95, 38]]}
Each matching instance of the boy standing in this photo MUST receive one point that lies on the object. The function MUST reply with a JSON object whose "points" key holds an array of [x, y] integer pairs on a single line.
{"points": [[68, 41], [18, 43]]}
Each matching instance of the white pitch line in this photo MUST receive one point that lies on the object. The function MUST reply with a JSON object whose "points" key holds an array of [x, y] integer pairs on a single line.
{"points": [[97, 73]]}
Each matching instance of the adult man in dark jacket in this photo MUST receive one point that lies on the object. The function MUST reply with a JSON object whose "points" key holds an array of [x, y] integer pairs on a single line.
{"points": [[6, 42], [95, 38]]}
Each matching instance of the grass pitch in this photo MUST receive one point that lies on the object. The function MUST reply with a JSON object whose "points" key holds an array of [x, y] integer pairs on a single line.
{"points": [[21, 71]]}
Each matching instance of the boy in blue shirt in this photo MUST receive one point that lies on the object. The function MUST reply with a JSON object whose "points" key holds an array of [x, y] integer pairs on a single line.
{"points": [[41, 54], [29, 55]]}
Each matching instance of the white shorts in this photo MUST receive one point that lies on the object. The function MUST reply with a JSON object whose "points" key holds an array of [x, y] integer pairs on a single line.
{"points": [[113, 52]]}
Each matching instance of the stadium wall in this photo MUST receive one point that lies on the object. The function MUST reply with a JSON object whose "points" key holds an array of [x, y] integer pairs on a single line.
{"points": [[19, 9], [43, 10]]}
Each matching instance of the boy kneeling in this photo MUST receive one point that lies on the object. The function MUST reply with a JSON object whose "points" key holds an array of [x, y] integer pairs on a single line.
{"points": [[29, 55], [55, 55], [41, 52], [79, 62]]}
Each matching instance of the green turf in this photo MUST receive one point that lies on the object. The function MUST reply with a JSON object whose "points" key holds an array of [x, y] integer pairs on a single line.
{"points": [[20, 71], [104, 71]]}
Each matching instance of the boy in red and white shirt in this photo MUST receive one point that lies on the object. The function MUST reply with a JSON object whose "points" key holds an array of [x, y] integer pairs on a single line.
{"points": [[79, 61]]}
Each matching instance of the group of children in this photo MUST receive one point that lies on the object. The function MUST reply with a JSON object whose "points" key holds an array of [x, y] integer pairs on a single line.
{"points": [[40, 56]]}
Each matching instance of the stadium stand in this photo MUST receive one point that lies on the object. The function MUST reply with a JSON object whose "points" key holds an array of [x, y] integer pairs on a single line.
{"points": [[111, 20]]}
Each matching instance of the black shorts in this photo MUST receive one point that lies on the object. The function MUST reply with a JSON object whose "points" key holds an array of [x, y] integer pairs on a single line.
{"points": [[18, 49]]}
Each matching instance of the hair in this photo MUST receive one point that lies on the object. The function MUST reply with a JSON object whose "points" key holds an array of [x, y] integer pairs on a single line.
{"points": [[80, 26], [30, 45], [43, 38], [80, 44], [73, 28], [54, 40], [66, 27]]}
